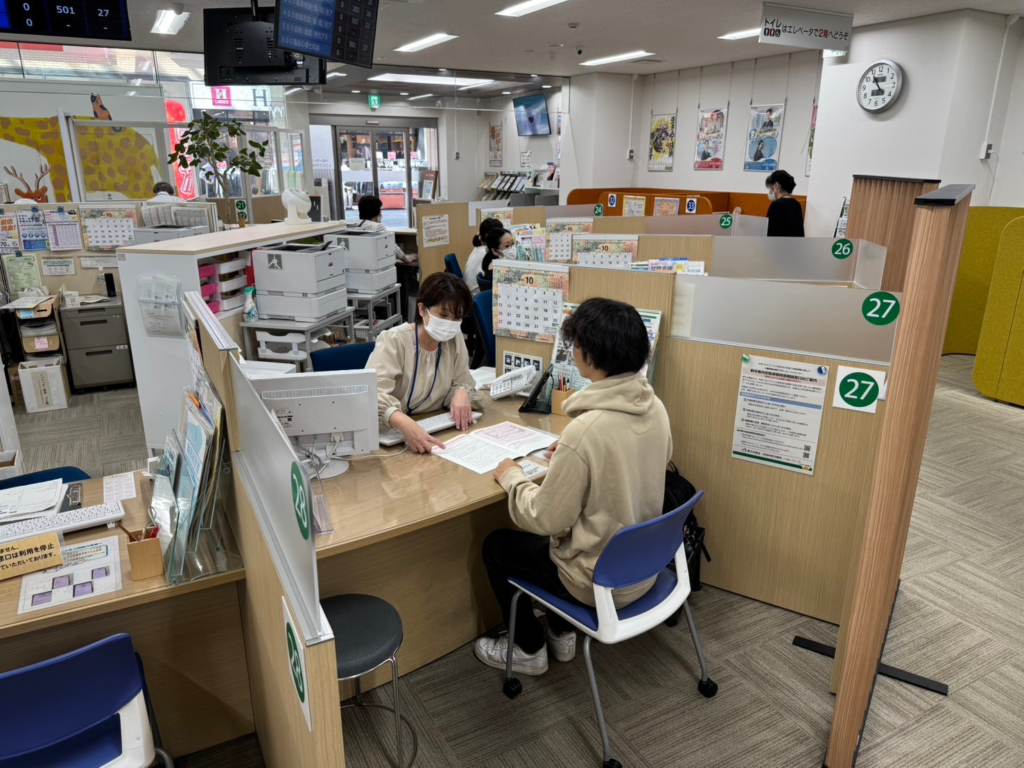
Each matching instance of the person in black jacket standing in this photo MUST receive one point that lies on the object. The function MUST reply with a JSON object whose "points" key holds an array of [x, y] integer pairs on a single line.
{"points": [[785, 215]]}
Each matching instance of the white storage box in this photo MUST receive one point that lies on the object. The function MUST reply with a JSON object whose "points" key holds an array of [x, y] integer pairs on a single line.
{"points": [[367, 251], [43, 384], [307, 309], [371, 281]]}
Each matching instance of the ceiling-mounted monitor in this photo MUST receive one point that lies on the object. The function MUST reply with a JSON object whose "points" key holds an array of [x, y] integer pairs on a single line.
{"points": [[532, 115], [240, 50], [336, 30], [95, 19]]}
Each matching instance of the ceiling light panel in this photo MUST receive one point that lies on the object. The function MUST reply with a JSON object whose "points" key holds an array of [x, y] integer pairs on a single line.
{"points": [[618, 57], [741, 34], [168, 22], [458, 82], [426, 42], [521, 9], [424, 96]]}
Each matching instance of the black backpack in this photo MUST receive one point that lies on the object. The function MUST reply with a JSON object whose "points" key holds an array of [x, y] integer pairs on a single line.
{"points": [[678, 491]]}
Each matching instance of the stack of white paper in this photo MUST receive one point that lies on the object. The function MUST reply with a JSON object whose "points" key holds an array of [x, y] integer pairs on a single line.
{"points": [[483, 450]]}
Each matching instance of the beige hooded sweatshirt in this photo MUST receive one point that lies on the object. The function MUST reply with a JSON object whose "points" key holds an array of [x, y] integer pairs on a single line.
{"points": [[607, 474]]}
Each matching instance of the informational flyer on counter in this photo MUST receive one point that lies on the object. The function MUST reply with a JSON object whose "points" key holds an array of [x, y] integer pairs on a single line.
{"points": [[778, 413]]}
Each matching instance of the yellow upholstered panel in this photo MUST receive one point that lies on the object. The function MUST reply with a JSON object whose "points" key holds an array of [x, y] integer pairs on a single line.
{"points": [[974, 277], [1000, 312]]}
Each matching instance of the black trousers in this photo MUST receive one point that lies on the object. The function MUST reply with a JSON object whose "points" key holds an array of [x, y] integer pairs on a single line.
{"points": [[526, 556]]}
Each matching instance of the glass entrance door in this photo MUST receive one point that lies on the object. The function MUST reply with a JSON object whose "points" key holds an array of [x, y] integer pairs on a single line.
{"points": [[356, 169], [392, 148]]}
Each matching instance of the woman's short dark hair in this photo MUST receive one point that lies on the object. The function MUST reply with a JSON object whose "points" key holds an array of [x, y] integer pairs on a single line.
{"points": [[485, 226], [370, 207], [609, 334], [493, 237], [783, 179], [445, 290]]}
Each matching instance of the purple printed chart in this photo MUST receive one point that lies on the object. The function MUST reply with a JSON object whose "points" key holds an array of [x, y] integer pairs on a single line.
{"points": [[90, 568]]}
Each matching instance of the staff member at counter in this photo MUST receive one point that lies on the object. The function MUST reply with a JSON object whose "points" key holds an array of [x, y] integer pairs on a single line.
{"points": [[424, 366], [785, 216]]}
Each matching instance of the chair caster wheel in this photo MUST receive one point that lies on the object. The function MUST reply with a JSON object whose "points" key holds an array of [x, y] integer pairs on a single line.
{"points": [[707, 688], [613, 763], [672, 620], [513, 687]]}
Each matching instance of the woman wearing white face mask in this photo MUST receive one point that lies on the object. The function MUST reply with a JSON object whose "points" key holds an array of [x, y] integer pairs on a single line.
{"points": [[424, 367], [500, 245], [785, 215]]}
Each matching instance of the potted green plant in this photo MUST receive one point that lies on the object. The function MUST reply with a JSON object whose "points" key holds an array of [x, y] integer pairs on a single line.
{"points": [[209, 144]]}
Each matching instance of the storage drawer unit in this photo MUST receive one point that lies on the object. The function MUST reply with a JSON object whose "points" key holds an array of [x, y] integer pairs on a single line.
{"points": [[98, 350]]}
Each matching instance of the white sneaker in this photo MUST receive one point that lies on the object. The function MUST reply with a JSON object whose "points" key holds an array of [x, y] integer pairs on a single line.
{"points": [[494, 651], [563, 646]]}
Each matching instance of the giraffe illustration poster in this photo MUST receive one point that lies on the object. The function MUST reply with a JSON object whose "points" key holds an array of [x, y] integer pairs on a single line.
{"points": [[118, 163]]}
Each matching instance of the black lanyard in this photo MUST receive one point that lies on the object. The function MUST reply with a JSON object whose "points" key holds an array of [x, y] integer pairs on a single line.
{"points": [[409, 409]]}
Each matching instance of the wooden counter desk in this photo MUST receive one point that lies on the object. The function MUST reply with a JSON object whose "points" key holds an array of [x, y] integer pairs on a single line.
{"points": [[189, 636], [409, 529]]}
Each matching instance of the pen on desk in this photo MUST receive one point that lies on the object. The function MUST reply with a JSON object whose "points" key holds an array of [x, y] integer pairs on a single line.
{"points": [[154, 532], [126, 531]]}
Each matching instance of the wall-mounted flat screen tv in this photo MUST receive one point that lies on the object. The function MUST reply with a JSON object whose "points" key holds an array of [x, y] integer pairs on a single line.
{"points": [[532, 115]]}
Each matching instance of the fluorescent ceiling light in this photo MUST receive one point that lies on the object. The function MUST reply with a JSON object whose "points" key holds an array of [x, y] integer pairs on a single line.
{"points": [[529, 6], [356, 91], [619, 57], [290, 91], [545, 86], [458, 82], [475, 85], [336, 74], [426, 42], [168, 22], [404, 93], [506, 93], [424, 96], [740, 35]]}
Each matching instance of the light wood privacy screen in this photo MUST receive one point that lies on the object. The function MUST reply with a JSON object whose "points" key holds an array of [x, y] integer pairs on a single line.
{"points": [[940, 221], [460, 237], [882, 212]]}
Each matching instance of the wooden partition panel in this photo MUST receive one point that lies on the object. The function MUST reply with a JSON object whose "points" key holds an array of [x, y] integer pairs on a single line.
{"points": [[267, 209], [535, 215], [653, 247], [882, 212], [939, 224], [460, 237], [777, 536], [704, 205], [620, 225], [644, 290], [718, 201]]}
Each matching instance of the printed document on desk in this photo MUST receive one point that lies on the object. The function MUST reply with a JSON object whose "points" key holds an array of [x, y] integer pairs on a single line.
{"points": [[30, 500], [90, 568], [483, 450]]}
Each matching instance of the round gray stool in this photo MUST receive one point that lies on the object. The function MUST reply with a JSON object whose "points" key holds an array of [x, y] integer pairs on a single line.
{"points": [[368, 634]]}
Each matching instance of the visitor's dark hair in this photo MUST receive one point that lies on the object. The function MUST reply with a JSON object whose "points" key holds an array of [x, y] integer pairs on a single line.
{"points": [[369, 207], [445, 290], [485, 226], [783, 179], [163, 186], [609, 334]]}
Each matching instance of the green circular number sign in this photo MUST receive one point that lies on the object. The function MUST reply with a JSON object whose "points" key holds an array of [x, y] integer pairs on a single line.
{"points": [[858, 390], [599, 210], [881, 308], [842, 249], [726, 221], [296, 663], [300, 500]]}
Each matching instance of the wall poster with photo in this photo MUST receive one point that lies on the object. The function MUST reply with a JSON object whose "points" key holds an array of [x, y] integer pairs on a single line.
{"points": [[662, 147], [764, 138], [495, 154], [709, 154]]}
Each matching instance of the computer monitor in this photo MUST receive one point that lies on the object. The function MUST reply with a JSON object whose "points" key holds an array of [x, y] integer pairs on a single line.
{"points": [[532, 115], [327, 414]]}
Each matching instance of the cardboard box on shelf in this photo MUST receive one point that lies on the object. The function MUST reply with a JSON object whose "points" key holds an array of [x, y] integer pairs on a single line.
{"points": [[16, 394], [35, 344], [44, 384], [10, 464]]}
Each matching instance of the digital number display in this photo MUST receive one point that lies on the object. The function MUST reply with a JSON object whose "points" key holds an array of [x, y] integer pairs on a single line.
{"points": [[101, 19], [336, 30]]}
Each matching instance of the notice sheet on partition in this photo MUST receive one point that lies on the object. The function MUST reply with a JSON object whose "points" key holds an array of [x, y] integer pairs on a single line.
{"points": [[778, 413]]}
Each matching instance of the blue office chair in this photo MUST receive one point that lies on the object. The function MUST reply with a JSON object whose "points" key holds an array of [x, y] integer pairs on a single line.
{"points": [[483, 283], [483, 310], [347, 357], [451, 264], [66, 475], [108, 717], [633, 555]]}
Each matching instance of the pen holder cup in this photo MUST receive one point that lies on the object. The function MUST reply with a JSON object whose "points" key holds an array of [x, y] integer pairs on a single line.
{"points": [[145, 557], [557, 399]]}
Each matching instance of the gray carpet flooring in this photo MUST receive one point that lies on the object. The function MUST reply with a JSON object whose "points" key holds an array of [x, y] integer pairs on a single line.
{"points": [[959, 618]]}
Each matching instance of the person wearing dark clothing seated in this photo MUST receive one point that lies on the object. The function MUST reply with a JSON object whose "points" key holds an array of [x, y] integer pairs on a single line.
{"points": [[785, 215]]}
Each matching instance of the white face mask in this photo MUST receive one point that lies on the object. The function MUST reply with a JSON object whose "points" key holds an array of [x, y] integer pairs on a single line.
{"points": [[511, 252], [442, 330], [771, 195]]}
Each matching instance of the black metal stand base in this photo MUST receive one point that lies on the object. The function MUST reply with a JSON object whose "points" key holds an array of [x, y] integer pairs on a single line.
{"points": [[883, 669]]}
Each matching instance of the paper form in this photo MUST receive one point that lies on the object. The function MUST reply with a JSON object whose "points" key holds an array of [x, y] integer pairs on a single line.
{"points": [[90, 568], [512, 437], [483, 450], [118, 487], [25, 500]]}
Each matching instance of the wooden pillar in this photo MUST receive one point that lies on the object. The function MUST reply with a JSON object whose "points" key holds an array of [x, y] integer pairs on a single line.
{"points": [[882, 212], [940, 220]]}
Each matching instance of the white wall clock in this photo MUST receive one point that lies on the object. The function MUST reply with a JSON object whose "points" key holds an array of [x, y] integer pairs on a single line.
{"points": [[880, 86]]}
